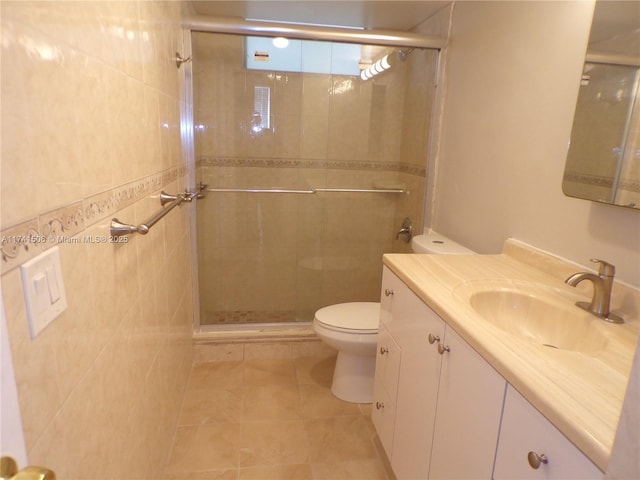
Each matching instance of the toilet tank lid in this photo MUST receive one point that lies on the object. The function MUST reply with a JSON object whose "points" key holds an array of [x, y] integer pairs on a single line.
{"points": [[353, 315], [433, 242]]}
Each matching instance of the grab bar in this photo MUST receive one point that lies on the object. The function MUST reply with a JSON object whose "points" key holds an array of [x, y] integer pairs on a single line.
{"points": [[307, 192], [119, 229]]}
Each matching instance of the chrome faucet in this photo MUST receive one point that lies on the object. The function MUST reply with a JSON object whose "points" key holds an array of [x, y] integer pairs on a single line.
{"points": [[602, 285]]}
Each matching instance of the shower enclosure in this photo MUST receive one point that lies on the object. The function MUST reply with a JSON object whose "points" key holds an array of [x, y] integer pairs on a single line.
{"points": [[310, 169]]}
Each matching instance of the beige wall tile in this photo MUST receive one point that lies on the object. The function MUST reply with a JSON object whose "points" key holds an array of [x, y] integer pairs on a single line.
{"points": [[92, 117]]}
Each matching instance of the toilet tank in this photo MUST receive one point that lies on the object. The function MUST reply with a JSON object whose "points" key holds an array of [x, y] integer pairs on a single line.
{"points": [[433, 242]]}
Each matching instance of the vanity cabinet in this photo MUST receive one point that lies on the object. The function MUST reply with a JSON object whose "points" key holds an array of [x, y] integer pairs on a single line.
{"points": [[526, 433], [470, 397], [436, 372], [440, 408]]}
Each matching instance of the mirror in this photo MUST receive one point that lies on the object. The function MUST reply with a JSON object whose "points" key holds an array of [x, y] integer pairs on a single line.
{"points": [[603, 162]]}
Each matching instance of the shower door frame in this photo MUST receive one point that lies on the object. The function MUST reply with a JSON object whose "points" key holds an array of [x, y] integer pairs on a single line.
{"points": [[237, 26]]}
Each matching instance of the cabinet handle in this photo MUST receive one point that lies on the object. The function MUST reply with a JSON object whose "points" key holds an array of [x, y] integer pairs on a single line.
{"points": [[535, 460], [443, 348], [433, 338], [388, 292], [9, 471], [383, 350], [379, 405]]}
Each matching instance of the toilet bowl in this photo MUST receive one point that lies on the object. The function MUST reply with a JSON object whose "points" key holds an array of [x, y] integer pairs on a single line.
{"points": [[352, 329]]}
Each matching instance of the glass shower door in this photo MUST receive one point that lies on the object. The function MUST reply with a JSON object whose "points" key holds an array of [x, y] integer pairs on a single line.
{"points": [[271, 257]]}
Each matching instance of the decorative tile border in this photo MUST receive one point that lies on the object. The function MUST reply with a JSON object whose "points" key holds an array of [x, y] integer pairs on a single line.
{"points": [[209, 161], [24, 241], [627, 184], [412, 169]]}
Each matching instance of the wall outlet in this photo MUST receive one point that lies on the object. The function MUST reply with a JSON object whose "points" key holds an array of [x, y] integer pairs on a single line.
{"points": [[44, 293]]}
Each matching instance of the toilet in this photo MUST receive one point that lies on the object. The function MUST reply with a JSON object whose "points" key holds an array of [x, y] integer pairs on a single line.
{"points": [[352, 329], [433, 242]]}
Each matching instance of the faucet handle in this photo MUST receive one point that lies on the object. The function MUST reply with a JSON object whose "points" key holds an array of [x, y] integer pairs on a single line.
{"points": [[605, 269]]}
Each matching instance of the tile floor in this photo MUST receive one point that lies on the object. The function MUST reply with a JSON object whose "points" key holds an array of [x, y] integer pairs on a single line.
{"points": [[266, 412]]}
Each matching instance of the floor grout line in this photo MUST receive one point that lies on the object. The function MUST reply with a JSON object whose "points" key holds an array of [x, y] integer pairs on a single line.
{"points": [[319, 412]]}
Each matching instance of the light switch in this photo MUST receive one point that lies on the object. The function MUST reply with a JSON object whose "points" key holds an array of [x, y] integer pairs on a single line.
{"points": [[52, 283], [43, 287], [41, 290], [40, 284]]}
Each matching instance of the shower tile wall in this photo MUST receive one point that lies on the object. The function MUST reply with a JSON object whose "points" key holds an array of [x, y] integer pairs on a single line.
{"points": [[268, 257], [592, 160], [90, 130]]}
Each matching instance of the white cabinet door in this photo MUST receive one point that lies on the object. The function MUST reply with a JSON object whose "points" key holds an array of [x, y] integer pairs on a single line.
{"points": [[418, 385], [470, 399], [385, 388], [525, 430]]}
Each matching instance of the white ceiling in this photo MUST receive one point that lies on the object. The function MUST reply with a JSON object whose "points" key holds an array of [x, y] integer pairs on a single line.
{"points": [[370, 14]]}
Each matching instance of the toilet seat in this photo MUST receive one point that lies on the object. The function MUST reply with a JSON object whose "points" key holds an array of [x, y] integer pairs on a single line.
{"points": [[360, 318]]}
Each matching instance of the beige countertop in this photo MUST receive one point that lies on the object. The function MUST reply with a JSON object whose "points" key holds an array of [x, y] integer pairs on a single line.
{"points": [[581, 394]]}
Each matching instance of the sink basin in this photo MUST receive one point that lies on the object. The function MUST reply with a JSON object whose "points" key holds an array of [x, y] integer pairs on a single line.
{"points": [[537, 314]]}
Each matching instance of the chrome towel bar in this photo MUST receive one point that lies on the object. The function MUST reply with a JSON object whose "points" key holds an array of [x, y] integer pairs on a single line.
{"points": [[258, 190], [119, 229]]}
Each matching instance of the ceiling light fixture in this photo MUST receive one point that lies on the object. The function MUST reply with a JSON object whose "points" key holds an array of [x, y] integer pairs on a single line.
{"points": [[280, 42], [375, 69]]}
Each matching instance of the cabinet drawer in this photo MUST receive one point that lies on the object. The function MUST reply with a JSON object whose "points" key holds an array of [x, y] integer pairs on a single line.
{"points": [[525, 430], [391, 286]]}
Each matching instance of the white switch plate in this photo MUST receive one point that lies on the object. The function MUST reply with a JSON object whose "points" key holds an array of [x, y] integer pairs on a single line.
{"points": [[44, 293]]}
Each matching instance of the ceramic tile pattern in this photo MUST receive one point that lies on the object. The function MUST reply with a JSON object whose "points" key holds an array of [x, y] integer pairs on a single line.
{"points": [[297, 253], [267, 413], [90, 130]]}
